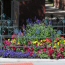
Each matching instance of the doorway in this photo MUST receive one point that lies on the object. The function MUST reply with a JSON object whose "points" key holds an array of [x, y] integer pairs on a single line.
{"points": [[7, 8]]}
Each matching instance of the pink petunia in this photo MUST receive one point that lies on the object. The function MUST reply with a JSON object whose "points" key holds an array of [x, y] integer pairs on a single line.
{"points": [[7, 43], [14, 36], [40, 52], [44, 50], [59, 55]]}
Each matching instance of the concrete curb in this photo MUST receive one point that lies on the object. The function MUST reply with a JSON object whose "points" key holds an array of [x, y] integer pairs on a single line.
{"points": [[34, 61]]}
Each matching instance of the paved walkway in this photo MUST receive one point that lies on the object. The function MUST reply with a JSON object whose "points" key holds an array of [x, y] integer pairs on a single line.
{"points": [[50, 9], [7, 61]]}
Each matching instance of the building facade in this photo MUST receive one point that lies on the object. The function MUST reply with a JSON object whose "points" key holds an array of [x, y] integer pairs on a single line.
{"points": [[30, 9], [20, 10]]}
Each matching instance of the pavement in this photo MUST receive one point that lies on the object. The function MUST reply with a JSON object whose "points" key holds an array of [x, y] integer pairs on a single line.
{"points": [[7, 61], [50, 9]]}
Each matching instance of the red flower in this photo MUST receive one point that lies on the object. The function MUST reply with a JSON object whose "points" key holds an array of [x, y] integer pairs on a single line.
{"points": [[49, 48], [4, 47], [44, 50], [32, 49], [36, 45], [62, 49], [48, 40], [62, 37], [62, 56], [31, 54], [29, 43], [51, 51], [14, 48], [57, 39], [25, 47], [28, 50]]}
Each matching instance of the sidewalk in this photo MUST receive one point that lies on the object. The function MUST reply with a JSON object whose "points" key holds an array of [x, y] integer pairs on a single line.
{"points": [[7, 61], [50, 9]]}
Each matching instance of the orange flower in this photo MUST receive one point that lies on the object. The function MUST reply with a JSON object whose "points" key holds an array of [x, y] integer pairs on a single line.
{"points": [[48, 40], [57, 39], [62, 37]]}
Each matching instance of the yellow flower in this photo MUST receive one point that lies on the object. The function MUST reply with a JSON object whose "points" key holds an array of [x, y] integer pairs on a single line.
{"points": [[13, 41], [38, 44], [55, 46], [58, 43], [18, 43], [64, 41], [41, 44], [8, 39], [34, 42], [50, 44], [44, 40], [41, 41], [54, 40]]}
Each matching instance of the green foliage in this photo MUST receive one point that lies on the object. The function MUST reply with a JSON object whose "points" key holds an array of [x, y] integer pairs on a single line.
{"points": [[51, 1], [22, 40], [44, 56], [40, 31]]}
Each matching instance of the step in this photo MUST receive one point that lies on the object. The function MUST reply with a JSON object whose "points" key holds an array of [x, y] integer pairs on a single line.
{"points": [[54, 18]]}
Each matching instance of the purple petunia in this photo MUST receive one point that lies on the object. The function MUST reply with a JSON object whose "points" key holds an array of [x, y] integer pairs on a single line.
{"points": [[12, 54]]}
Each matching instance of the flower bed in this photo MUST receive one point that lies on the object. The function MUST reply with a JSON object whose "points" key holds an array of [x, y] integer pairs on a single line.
{"points": [[38, 49], [37, 41]]}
